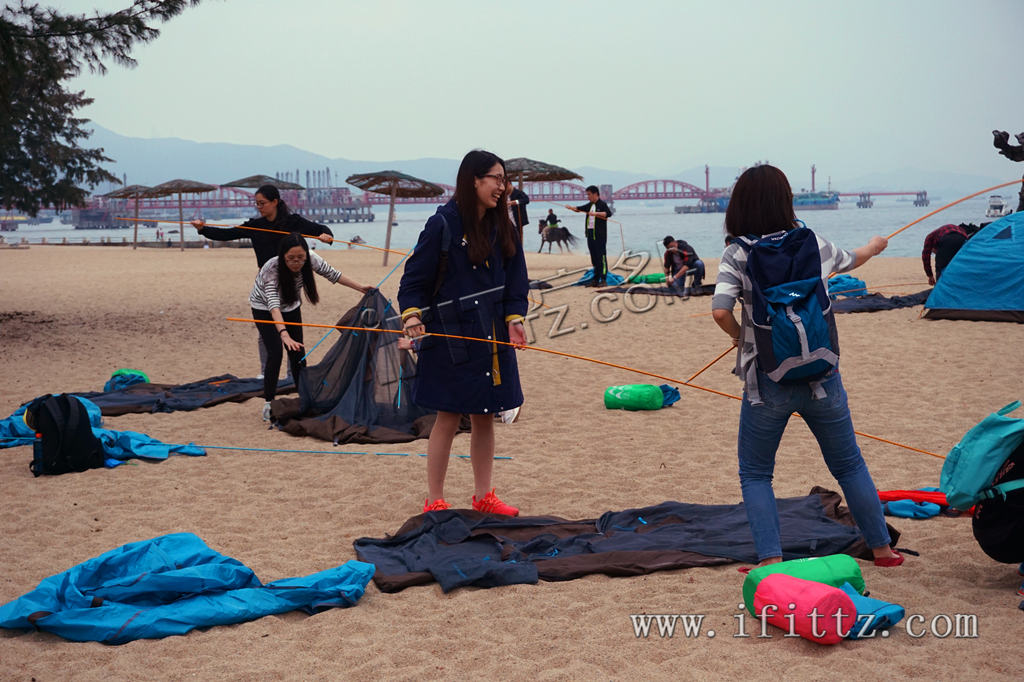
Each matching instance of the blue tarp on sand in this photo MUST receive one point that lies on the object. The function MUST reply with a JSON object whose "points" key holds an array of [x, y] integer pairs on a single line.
{"points": [[118, 446], [168, 586]]}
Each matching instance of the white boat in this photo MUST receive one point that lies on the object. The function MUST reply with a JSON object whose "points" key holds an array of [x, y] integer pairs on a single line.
{"points": [[997, 207]]}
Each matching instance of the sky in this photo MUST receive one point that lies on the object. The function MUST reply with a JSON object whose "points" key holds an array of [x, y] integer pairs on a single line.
{"points": [[647, 86]]}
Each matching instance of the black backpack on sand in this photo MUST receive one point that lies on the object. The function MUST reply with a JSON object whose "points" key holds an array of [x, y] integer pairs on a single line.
{"points": [[64, 438]]}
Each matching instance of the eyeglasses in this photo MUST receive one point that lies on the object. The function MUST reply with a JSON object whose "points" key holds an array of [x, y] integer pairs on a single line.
{"points": [[261, 203], [500, 179], [295, 259]]}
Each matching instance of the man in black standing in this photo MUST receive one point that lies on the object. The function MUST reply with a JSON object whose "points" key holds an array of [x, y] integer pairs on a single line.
{"points": [[517, 201], [597, 233]]}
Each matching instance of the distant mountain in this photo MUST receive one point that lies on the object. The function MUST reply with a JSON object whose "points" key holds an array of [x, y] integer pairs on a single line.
{"points": [[152, 161]]}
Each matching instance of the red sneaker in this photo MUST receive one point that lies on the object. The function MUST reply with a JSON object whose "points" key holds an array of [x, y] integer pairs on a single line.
{"points": [[890, 562], [490, 504], [437, 505]]}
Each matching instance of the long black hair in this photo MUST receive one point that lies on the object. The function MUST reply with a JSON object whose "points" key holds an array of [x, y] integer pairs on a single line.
{"points": [[475, 165], [286, 278], [271, 193], [761, 203]]}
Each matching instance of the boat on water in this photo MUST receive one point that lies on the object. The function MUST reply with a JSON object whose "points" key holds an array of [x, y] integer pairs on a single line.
{"points": [[802, 201], [997, 207], [10, 223], [816, 201]]}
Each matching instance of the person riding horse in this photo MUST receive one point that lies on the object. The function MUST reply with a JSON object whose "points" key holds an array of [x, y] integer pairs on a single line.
{"points": [[555, 235]]}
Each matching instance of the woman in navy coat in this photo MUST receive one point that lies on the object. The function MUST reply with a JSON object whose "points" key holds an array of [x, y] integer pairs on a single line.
{"points": [[467, 277]]}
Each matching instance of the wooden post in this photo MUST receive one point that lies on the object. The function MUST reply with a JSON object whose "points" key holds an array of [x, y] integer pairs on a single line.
{"points": [[135, 234], [181, 221], [391, 219]]}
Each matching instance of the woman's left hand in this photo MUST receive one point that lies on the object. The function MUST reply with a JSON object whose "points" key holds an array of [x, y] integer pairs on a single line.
{"points": [[290, 343], [517, 334]]}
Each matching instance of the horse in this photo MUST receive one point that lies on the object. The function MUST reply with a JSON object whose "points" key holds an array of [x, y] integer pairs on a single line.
{"points": [[553, 234]]}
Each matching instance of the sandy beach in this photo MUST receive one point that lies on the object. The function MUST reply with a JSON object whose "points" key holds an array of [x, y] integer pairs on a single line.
{"points": [[70, 316]]}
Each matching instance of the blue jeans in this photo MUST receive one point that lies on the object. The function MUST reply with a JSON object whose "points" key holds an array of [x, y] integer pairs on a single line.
{"points": [[761, 430]]}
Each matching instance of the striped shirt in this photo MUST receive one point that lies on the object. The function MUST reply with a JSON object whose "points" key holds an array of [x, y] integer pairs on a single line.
{"points": [[733, 284], [265, 294]]}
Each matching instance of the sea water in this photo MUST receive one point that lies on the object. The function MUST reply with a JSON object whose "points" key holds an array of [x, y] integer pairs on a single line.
{"points": [[643, 226]]}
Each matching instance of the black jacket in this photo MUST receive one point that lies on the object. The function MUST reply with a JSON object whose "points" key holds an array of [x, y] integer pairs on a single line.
{"points": [[265, 243], [519, 212], [600, 224]]}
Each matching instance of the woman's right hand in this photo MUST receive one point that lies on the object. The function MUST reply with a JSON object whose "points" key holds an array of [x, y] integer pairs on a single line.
{"points": [[199, 224], [290, 343], [413, 326]]}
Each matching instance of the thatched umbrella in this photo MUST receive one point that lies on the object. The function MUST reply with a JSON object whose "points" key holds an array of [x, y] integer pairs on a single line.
{"points": [[528, 170], [260, 180], [180, 187], [397, 185], [129, 192]]}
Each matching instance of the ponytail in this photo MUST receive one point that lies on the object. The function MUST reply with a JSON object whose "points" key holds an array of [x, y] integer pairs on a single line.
{"points": [[271, 193]]}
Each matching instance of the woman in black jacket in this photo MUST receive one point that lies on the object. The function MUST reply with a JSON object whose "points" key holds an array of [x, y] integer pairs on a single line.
{"points": [[274, 215]]}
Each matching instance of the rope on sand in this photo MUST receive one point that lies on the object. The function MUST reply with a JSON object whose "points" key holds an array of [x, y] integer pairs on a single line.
{"points": [[673, 380]]}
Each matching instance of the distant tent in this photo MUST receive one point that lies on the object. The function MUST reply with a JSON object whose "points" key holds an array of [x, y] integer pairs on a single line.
{"points": [[985, 280]]}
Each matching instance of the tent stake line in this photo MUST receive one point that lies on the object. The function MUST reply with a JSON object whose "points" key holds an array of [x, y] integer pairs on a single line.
{"points": [[331, 452], [305, 452], [563, 354]]}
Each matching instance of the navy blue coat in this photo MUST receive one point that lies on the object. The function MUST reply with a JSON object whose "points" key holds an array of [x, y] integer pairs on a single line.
{"points": [[454, 375]]}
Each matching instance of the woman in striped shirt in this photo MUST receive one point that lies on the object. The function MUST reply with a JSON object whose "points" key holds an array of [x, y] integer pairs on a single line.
{"points": [[762, 204], [275, 297]]}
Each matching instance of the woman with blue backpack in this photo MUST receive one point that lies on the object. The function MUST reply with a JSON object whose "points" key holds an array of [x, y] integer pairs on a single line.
{"points": [[788, 353]]}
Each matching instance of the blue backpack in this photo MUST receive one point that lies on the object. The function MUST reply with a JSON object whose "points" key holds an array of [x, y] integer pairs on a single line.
{"points": [[971, 466], [794, 327]]}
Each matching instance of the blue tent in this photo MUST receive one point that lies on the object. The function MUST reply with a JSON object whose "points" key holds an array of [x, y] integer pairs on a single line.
{"points": [[985, 280], [168, 586]]}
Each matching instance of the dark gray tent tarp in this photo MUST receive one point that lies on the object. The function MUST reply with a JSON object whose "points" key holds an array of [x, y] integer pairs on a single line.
{"points": [[462, 547], [361, 392]]}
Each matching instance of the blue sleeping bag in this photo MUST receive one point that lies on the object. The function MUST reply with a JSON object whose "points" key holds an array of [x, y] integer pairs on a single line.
{"points": [[873, 615]]}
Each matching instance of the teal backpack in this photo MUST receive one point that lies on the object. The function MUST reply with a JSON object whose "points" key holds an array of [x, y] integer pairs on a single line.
{"points": [[972, 464]]}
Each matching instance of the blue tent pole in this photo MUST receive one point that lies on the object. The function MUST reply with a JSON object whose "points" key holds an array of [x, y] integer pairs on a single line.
{"points": [[402, 260]]}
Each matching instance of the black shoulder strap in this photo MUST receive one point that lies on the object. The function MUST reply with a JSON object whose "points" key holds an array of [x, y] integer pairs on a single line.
{"points": [[442, 260]]}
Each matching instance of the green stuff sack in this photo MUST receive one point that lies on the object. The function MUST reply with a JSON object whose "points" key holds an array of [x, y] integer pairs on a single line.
{"points": [[124, 377], [833, 570], [634, 397], [650, 278]]}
